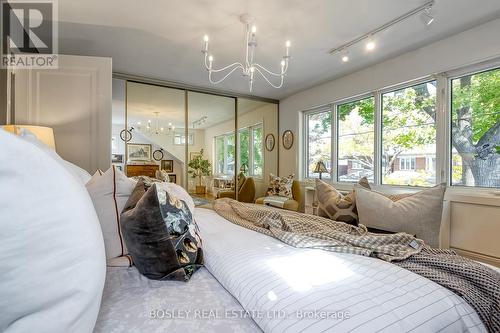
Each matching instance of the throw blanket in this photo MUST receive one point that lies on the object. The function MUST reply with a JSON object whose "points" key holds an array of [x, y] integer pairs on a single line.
{"points": [[475, 283]]}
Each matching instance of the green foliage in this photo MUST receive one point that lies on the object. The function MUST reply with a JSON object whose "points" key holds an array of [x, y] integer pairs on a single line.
{"points": [[476, 102], [199, 167], [244, 148]]}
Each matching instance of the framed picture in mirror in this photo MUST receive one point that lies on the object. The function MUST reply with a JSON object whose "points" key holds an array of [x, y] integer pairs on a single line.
{"points": [[138, 152], [270, 142], [287, 139], [167, 165], [172, 178]]}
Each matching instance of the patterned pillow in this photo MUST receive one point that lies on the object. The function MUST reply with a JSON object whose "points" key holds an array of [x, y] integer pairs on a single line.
{"points": [[336, 206], [280, 186], [160, 234]]}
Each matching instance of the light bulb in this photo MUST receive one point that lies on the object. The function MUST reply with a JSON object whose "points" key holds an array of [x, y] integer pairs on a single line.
{"points": [[254, 29], [205, 38], [169, 124], [370, 45], [288, 43], [210, 58], [138, 123], [252, 69], [282, 63], [345, 58]]}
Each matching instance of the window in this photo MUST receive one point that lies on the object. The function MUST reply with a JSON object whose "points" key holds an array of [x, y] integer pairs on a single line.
{"points": [[220, 154], [397, 137], [251, 157], [319, 141], [408, 128], [257, 157], [407, 163], [475, 129], [356, 140], [180, 139]]}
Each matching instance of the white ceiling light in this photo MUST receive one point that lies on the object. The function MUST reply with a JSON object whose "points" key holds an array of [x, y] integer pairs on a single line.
{"points": [[345, 56], [249, 67], [370, 44]]}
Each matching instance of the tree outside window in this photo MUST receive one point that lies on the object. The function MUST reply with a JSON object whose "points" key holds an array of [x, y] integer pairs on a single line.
{"points": [[475, 129]]}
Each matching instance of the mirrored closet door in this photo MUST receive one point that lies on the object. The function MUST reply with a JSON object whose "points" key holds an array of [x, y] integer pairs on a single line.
{"points": [[212, 145]]}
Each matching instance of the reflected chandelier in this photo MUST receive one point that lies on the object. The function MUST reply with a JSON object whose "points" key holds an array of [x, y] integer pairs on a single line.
{"points": [[249, 67]]}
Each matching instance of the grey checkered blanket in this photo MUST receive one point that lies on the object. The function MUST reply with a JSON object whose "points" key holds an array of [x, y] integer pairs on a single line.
{"points": [[475, 283]]}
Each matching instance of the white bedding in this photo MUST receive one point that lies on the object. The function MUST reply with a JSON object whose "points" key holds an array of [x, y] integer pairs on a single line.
{"points": [[280, 285], [129, 298]]}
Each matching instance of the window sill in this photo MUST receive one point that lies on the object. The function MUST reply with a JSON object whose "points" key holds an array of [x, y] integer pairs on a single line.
{"points": [[481, 196]]}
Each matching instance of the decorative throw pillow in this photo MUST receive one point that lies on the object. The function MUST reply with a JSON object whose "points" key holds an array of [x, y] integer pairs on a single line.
{"points": [[51, 248], [109, 194], [334, 205], [162, 175], [161, 234], [417, 214], [280, 186]]}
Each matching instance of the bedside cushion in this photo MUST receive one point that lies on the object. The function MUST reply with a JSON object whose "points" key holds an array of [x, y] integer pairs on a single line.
{"points": [[335, 205], [51, 247], [109, 194], [161, 234], [417, 214]]}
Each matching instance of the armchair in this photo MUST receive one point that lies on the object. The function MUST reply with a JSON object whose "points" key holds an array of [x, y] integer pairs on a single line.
{"points": [[246, 192], [290, 204]]}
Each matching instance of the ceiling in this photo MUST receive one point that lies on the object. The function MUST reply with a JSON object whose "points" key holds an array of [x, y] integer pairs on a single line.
{"points": [[163, 39], [144, 101]]}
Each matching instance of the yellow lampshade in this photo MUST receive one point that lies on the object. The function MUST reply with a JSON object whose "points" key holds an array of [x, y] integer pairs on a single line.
{"points": [[320, 167], [42, 133]]}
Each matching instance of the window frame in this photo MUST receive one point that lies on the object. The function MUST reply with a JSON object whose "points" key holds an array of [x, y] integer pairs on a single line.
{"points": [[183, 135], [443, 130], [305, 117], [238, 158], [401, 86], [335, 118], [449, 76]]}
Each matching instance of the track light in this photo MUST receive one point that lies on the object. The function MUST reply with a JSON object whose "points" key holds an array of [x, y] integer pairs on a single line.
{"points": [[370, 45], [427, 17], [345, 56]]}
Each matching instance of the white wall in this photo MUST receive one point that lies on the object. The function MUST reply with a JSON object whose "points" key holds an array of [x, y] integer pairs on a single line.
{"points": [[472, 46]]}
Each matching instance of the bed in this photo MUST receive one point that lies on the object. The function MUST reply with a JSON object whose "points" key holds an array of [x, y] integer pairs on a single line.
{"points": [[253, 282]]}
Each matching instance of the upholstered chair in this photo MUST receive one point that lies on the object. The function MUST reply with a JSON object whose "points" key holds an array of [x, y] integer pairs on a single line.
{"points": [[246, 192]]}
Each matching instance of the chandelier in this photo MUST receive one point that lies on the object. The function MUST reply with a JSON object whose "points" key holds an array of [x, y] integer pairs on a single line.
{"points": [[249, 67], [156, 129]]}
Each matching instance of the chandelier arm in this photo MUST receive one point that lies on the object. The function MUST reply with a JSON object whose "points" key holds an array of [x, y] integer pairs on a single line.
{"points": [[265, 78], [267, 70], [225, 76]]}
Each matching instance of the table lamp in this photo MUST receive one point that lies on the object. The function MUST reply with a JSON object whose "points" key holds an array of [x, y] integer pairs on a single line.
{"points": [[42, 133], [320, 168]]}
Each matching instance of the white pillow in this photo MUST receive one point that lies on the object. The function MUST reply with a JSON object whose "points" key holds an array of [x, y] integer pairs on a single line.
{"points": [[75, 170], [109, 194], [51, 247]]}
